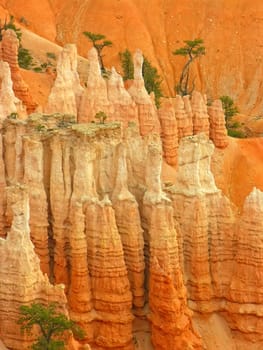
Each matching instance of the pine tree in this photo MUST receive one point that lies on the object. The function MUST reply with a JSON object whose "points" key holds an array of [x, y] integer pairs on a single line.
{"points": [[51, 323], [193, 49], [127, 64], [152, 79], [99, 43]]}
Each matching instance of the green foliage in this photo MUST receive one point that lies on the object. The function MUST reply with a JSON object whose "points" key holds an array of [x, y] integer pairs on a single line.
{"points": [[229, 108], [12, 115], [152, 79], [37, 69], [193, 49], [10, 25], [235, 125], [51, 55], [99, 43], [25, 60], [127, 64], [51, 323], [101, 116], [40, 127], [236, 133], [94, 37]]}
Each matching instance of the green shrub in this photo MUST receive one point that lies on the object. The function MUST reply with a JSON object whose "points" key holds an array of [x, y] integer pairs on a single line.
{"points": [[37, 69], [101, 116], [235, 125], [152, 79], [236, 133], [10, 25], [25, 60], [51, 55], [51, 324], [229, 109], [127, 64], [193, 49]]}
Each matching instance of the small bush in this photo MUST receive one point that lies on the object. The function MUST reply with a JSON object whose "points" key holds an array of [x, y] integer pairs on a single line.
{"points": [[37, 69], [230, 109], [127, 64], [25, 60], [235, 125], [101, 116], [51, 55], [152, 79], [12, 115], [40, 127], [236, 133]]}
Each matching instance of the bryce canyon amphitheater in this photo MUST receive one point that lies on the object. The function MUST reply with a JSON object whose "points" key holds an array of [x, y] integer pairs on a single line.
{"points": [[147, 229]]}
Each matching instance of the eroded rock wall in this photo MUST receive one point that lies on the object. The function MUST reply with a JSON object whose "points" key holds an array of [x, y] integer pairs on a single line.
{"points": [[22, 281], [9, 54]]}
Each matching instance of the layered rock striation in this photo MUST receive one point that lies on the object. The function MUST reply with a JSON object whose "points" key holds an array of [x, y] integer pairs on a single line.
{"points": [[22, 281], [169, 314], [66, 92], [9, 54]]}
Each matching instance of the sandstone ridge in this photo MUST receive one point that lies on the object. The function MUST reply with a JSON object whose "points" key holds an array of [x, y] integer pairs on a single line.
{"points": [[126, 247]]}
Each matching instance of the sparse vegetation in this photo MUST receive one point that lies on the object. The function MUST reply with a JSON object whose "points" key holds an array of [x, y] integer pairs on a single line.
{"points": [[10, 25], [40, 127], [101, 116], [152, 79], [99, 42], [25, 60], [12, 115], [127, 64], [51, 323], [230, 110], [192, 49], [236, 133], [51, 55]]}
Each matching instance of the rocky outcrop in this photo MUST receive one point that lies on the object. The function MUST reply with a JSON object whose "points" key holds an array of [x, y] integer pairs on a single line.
{"points": [[200, 116], [245, 290], [183, 114], [129, 227], [22, 281], [169, 313], [2, 191], [60, 192], [34, 179], [66, 92], [9, 103], [95, 97], [205, 220], [124, 247], [218, 131], [9, 47], [169, 131], [148, 119], [194, 175], [124, 108], [79, 294], [14, 130], [109, 281]]}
